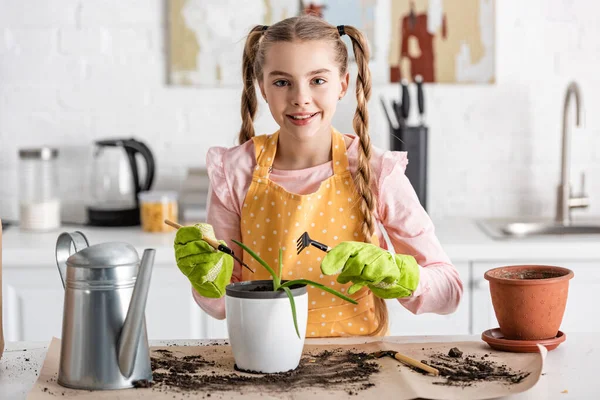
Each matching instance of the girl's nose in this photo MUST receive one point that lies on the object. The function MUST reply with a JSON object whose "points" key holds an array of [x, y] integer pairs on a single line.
{"points": [[301, 96]]}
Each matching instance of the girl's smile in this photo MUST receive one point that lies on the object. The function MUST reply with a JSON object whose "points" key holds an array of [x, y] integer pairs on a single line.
{"points": [[301, 119]]}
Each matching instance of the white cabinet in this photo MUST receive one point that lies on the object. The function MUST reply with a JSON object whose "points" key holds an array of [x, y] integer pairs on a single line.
{"points": [[33, 305], [581, 313], [172, 313], [403, 322], [482, 312], [32, 302]]}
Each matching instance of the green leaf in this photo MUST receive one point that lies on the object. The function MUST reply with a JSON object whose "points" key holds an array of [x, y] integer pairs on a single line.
{"points": [[280, 267], [320, 286], [257, 258], [293, 304]]}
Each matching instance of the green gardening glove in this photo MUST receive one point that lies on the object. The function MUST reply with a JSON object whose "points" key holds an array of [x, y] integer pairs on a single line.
{"points": [[208, 269], [388, 276]]}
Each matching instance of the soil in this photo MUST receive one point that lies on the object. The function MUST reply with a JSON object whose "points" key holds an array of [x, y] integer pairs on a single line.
{"points": [[455, 352], [470, 369], [339, 369], [531, 274], [262, 289], [269, 288]]}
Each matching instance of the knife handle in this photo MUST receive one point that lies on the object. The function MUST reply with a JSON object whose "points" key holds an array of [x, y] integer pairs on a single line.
{"points": [[420, 99], [405, 99]]}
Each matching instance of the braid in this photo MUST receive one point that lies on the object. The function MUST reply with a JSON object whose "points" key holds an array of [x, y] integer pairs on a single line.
{"points": [[361, 127], [363, 172], [249, 102]]}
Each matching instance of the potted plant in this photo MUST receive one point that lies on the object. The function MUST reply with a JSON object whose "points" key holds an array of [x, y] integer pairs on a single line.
{"points": [[266, 319]]}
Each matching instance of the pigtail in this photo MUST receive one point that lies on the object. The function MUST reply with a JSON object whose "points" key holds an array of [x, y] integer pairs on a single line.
{"points": [[363, 172], [361, 128], [249, 101]]}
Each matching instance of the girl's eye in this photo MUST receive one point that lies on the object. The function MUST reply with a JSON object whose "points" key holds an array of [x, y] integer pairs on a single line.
{"points": [[280, 83], [318, 81]]}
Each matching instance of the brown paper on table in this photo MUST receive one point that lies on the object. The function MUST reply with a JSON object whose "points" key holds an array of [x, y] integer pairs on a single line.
{"points": [[394, 380]]}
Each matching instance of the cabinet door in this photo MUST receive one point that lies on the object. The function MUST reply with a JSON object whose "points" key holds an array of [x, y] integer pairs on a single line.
{"points": [[213, 328], [403, 322], [583, 289], [32, 304], [172, 312]]}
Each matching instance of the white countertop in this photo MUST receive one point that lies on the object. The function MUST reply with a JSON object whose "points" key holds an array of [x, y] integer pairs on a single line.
{"points": [[569, 371], [462, 239]]}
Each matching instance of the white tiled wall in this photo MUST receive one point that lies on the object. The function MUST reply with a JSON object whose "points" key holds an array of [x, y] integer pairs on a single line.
{"points": [[72, 71]]}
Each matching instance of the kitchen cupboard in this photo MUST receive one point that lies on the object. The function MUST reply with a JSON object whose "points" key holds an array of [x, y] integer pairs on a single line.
{"points": [[33, 303], [403, 322], [172, 313], [581, 313]]}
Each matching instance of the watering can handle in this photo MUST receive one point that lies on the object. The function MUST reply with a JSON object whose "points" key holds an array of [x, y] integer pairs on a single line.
{"points": [[63, 250]]}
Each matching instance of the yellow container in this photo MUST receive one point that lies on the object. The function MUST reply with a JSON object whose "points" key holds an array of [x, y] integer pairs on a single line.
{"points": [[155, 207]]}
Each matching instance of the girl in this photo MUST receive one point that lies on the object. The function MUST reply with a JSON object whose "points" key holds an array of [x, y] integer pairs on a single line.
{"points": [[308, 177]]}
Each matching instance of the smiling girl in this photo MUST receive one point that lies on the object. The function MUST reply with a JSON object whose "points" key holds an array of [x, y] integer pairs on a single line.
{"points": [[308, 177]]}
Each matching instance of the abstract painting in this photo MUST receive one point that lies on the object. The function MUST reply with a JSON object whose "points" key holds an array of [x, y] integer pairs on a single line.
{"points": [[206, 37], [444, 41]]}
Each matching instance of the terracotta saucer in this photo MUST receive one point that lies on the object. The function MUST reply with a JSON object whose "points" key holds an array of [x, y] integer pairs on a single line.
{"points": [[496, 340]]}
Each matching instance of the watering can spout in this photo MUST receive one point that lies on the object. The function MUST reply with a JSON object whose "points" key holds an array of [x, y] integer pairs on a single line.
{"points": [[134, 321]]}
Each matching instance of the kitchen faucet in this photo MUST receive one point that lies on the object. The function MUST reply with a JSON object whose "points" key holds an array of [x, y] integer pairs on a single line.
{"points": [[565, 201]]}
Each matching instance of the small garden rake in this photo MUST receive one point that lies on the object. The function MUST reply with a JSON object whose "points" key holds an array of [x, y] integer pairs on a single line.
{"points": [[304, 241]]}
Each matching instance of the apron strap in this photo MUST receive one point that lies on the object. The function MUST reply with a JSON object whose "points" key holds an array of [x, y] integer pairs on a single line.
{"points": [[339, 156], [265, 147]]}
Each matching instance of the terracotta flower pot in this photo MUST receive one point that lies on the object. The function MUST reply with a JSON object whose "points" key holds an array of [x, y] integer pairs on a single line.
{"points": [[529, 300]]}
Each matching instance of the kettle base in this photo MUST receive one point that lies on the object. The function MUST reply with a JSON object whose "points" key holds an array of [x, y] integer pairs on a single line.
{"points": [[124, 217]]}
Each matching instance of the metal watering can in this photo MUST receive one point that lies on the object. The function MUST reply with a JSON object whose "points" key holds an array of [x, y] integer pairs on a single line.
{"points": [[104, 342]]}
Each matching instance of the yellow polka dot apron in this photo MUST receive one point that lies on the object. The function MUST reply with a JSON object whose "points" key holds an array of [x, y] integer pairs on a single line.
{"points": [[274, 218]]}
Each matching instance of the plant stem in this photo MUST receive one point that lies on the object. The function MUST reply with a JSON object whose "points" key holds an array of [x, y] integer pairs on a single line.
{"points": [[293, 304], [277, 283], [320, 286], [256, 257]]}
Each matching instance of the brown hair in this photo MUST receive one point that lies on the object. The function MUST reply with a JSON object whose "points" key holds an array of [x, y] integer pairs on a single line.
{"points": [[305, 28]]}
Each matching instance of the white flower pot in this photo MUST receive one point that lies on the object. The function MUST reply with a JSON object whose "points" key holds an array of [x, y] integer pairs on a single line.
{"points": [[261, 326]]}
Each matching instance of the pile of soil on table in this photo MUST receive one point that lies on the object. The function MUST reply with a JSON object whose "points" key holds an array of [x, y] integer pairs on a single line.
{"points": [[460, 369], [334, 370]]}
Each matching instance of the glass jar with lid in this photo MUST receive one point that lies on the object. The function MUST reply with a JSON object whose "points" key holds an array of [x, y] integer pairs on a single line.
{"points": [[39, 200], [155, 207]]}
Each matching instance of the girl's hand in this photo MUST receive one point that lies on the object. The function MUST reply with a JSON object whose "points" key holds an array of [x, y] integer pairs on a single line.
{"points": [[388, 276], [207, 269]]}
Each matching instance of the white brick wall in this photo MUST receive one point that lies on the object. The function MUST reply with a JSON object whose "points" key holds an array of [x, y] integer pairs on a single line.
{"points": [[72, 71]]}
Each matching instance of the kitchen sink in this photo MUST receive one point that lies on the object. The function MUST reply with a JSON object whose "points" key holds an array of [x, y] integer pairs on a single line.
{"points": [[504, 228]]}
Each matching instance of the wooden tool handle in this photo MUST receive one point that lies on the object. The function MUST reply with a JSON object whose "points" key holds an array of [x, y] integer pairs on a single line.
{"points": [[415, 363], [208, 240], [173, 224]]}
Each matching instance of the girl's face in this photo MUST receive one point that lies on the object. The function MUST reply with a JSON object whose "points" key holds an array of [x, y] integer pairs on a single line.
{"points": [[302, 85]]}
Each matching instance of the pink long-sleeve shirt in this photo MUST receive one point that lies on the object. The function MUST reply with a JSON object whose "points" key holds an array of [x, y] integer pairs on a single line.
{"points": [[407, 224]]}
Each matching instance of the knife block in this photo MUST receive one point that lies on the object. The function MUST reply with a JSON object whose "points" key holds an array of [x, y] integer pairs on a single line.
{"points": [[413, 140]]}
